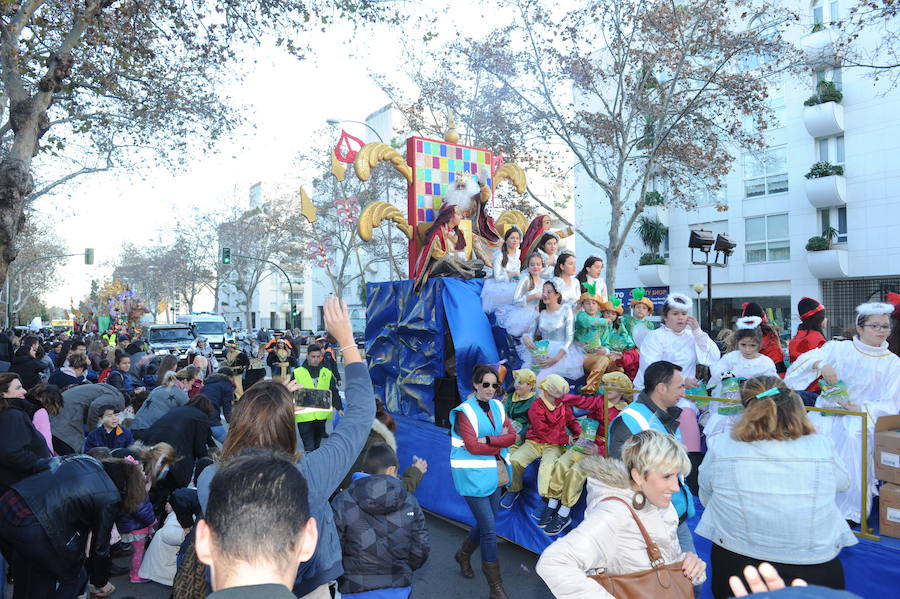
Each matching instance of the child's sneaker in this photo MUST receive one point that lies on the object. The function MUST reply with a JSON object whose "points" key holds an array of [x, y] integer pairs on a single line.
{"points": [[138, 580], [557, 525], [546, 516], [509, 499]]}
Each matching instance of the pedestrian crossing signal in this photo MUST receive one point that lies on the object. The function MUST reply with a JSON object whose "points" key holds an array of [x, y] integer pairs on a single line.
{"points": [[89, 256], [226, 255], [293, 309]]}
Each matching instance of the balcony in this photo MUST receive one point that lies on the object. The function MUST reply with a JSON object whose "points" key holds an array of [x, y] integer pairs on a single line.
{"points": [[824, 120], [654, 275], [827, 192], [828, 264], [819, 48]]}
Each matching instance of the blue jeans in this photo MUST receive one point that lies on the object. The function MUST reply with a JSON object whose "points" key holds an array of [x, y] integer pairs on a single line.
{"points": [[35, 564], [485, 530], [218, 432]]}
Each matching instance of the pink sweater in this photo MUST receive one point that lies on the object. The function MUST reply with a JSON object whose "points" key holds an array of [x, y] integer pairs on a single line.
{"points": [[41, 421]]}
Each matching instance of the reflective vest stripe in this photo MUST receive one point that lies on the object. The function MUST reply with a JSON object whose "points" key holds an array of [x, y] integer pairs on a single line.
{"points": [[456, 442], [642, 422], [488, 464]]}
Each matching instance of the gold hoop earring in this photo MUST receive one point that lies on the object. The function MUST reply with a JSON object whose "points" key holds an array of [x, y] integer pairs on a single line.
{"points": [[643, 500]]}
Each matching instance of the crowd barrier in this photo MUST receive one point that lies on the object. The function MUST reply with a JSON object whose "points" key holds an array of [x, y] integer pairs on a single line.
{"points": [[864, 532]]}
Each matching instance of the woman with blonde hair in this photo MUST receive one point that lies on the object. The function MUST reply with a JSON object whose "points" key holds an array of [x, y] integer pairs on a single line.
{"points": [[769, 490], [609, 542]]}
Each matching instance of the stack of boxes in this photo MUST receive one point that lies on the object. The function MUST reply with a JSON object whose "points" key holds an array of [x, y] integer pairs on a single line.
{"points": [[887, 469]]}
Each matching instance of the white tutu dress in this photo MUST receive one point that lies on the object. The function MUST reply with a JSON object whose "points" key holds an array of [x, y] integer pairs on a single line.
{"points": [[556, 328], [500, 289], [520, 316]]}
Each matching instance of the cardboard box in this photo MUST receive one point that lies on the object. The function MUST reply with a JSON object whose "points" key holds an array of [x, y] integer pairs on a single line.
{"points": [[889, 522], [887, 449]]}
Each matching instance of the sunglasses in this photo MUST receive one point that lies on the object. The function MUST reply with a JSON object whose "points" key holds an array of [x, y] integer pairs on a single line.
{"points": [[494, 385]]}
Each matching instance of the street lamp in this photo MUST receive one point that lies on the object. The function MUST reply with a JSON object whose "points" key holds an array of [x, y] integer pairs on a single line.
{"points": [[702, 240], [335, 122]]}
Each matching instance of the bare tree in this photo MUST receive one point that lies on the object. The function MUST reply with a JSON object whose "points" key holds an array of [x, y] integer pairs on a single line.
{"points": [[635, 90], [33, 276], [255, 237], [869, 38], [123, 78]]}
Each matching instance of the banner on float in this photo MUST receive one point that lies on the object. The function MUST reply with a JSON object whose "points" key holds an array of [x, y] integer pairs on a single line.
{"points": [[657, 295]]}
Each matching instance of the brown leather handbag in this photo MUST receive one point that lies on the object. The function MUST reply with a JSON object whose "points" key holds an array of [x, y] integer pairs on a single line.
{"points": [[660, 581]]}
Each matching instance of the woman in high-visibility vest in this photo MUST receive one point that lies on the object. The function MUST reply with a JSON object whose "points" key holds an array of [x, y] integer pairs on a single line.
{"points": [[481, 432]]}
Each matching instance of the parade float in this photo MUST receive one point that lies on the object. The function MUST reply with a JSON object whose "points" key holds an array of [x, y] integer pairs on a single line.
{"points": [[424, 335], [113, 305]]}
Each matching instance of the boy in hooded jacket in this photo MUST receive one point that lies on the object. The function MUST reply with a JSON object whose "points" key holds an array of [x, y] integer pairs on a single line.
{"points": [[381, 529]]}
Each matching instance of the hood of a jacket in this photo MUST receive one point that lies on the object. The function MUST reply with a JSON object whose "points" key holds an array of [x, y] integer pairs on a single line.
{"points": [[385, 433], [217, 378], [378, 494], [606, 477]]}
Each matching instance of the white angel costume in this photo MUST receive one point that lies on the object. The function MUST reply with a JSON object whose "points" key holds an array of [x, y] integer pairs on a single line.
{"points": [[599, 285], [686, 349], [557, 327], [570, 293], [499, 290], [519, 318], [550, 261], [872, 376], [732, 364]]}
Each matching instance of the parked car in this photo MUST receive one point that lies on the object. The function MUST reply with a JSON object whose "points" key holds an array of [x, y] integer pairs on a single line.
{"points": [[360, 338], [172, 339]]}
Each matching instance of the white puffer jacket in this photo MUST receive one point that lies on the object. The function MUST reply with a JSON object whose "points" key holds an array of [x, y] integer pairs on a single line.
{"points": [[608, 538]]}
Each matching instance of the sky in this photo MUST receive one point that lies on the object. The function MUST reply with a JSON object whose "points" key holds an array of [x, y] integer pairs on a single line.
{"points": [[105, 210]]}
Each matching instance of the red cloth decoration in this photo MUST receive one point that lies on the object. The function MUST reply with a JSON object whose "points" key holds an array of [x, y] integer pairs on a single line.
{"points": [[344, 151]]}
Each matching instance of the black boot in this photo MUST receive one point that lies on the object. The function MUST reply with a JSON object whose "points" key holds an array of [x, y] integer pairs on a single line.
{"points": [[462, 558], [495, 583]]}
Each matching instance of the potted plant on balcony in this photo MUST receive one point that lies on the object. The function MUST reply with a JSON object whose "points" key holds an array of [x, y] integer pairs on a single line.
{"points": [[826, 262], [652, 267], [823, 168], [825, 185], [826, 91]]}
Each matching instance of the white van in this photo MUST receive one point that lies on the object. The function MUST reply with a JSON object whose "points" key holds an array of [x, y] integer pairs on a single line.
{"points": [[213, 327]]}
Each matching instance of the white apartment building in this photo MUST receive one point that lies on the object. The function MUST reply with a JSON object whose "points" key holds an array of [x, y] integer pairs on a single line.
{"points": [[773, 209]]}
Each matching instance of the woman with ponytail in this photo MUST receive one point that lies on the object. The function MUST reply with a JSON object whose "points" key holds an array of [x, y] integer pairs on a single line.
{"points": [[769, 492]]}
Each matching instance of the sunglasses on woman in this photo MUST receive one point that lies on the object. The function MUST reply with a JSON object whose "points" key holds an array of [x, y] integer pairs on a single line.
{"points": [[494, 385]]}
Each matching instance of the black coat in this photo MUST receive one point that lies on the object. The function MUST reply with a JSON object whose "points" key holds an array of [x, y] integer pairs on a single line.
{"points": [[22, 447], [74, 499], [186, 429], [29, 370], [220, 391], [382, 532]]}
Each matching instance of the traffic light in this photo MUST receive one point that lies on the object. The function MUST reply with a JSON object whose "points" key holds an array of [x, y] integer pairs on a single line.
{"points": [[293, 309], [226, 255], [89, 256]]}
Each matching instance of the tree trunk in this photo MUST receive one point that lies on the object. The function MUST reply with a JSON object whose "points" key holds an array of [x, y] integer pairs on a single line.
{"points": [[612, 262]]}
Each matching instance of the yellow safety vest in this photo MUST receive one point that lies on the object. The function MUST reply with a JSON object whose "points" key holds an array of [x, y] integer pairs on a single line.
{"points": [[304, 379]]}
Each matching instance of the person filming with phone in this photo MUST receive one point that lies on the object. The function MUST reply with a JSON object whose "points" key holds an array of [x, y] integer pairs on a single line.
{"points": [[311, 420]]}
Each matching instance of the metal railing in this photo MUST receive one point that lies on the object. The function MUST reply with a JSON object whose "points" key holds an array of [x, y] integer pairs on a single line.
{"points": [[864, 531]]}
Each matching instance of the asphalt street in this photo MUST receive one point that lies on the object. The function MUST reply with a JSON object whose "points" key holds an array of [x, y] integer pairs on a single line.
{"points": [[438, 578]]}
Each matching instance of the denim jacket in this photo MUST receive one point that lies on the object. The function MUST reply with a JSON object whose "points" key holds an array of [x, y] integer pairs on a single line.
{"points": [[774, 500]]}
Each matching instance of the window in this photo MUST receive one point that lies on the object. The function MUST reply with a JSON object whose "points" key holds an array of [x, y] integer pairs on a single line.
{"points": [[831, 74], [664, 246], [766, 173], [766, 239], [830, 149], [819, 14], [708, 195], [767, 28], [837, 218], [776, 105], [296, 298]]}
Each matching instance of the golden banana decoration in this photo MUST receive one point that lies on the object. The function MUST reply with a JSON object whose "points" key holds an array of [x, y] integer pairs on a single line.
{"points": [[376, 152], [337, 169], [512, 173], [377, 212], [307, 208], [511, 218]]}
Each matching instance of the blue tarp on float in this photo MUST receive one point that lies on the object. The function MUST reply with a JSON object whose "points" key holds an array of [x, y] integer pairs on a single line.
{"points": [[405, 346]]}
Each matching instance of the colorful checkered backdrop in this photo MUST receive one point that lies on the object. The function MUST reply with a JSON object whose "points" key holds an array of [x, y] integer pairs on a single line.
{"points": [[436, 165]]}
